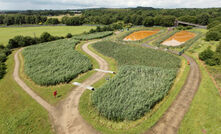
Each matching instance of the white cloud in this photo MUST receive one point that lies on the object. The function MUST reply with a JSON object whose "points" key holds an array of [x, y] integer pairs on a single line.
{"points": [[71, 4]]}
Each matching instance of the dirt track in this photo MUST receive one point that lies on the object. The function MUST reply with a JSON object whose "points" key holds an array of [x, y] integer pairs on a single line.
{"points": [[65, 116], [170, 121]]}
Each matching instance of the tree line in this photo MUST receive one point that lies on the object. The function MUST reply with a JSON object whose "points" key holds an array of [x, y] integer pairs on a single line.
{"points": [[135, 16]]}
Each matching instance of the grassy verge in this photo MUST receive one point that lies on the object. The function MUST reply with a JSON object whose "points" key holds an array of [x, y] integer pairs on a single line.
{"points": [[204, 113], [46, 92], [91, 115], [19, 113]]}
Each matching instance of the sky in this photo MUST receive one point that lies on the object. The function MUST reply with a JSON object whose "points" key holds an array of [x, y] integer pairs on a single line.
{"points": [[79, 4]]}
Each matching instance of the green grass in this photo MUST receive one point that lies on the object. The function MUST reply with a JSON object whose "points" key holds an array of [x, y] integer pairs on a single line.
{"points": [[10, 32], [205, 110], [54, 62], [91, 115], [19, 113]]}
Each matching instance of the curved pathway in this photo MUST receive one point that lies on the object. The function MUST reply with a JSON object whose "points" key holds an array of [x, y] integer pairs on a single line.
{"points": [[65, 115], [170, 121]]}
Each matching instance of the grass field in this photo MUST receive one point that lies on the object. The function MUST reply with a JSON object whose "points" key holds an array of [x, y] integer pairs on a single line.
{"points": [[19, 113], [10, 32]]}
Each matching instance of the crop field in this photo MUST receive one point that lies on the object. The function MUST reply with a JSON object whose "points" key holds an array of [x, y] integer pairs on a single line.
{"points": [[139, 35], [145, 77], [10, 32], [147, 85], [93, 35], [179, 38], [124, 55], [54, 62]]}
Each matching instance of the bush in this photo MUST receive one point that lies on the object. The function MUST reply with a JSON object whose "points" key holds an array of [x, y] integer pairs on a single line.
{"points": [[45, 37], [206, 54], [213, 24], [218, 48], [52, 21], [211, 58], [2, 69], [69, 35], [213, 35]]}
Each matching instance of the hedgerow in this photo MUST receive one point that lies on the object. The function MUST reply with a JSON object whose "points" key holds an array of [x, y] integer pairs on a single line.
{"points": [[54, 62], [93, 35], [133, 92]]}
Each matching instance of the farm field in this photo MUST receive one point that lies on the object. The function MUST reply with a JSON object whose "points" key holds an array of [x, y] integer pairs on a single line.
{"points": [[146, 85], [139, 35], [54, 62], [131, 127], [129, 67], [179, 38], [10, 32], [19, 113]]}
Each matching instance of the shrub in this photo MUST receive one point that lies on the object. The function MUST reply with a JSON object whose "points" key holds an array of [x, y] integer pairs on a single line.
{"points": [[218, 48], [213, 24], [69, 35], [45, 37], [2, 69], [212, 35], [52, 21], [206, 54]]}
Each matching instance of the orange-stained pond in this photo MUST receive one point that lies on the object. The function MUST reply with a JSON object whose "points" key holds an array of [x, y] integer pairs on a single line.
{"points": [[139, 35], [179, 38]]}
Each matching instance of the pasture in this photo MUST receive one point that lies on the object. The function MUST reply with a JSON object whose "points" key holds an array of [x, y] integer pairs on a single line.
{"points": [[9, 32], [54, 62]]}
